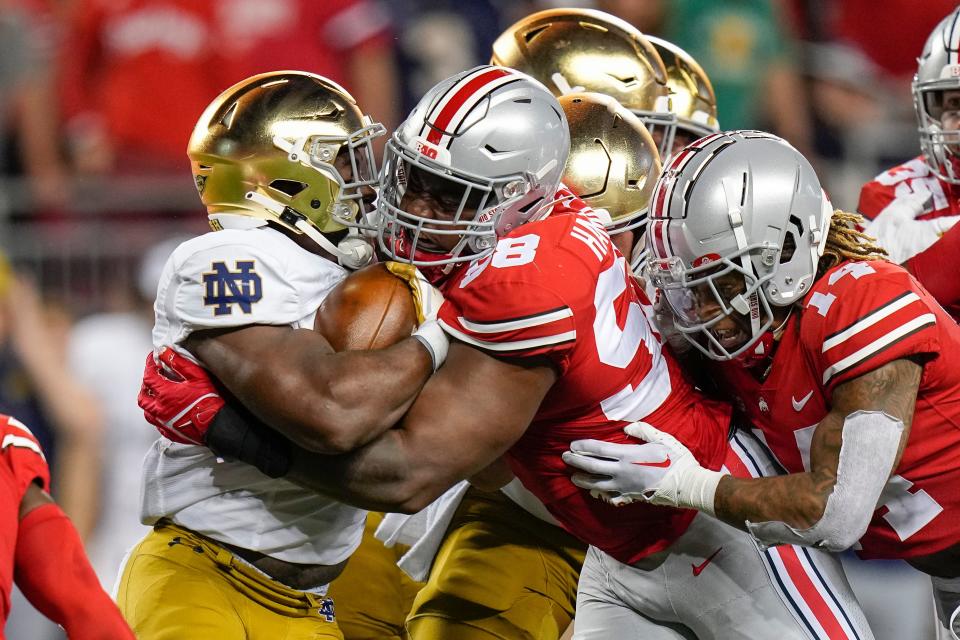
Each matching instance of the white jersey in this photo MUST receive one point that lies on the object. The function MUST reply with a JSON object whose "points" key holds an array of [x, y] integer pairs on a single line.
{"points": [[234, 278]]}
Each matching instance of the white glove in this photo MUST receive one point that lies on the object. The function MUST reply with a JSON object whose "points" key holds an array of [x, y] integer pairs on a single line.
{"points": [[428, 300], [663, 472], [900, 233]]}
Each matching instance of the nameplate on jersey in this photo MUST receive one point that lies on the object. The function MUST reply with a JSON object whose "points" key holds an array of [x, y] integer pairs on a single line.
{"points": [[225, 288]]}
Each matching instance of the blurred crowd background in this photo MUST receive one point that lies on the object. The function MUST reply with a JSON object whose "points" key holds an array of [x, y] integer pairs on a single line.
{"points": [[98, 99]]}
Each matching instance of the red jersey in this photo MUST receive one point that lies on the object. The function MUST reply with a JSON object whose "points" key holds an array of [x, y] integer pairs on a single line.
{"points": [[858, 317], [558, 289], [907, 178], [904, 180], [21, 463]]}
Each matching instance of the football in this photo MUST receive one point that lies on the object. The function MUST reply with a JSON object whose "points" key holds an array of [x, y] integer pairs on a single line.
{"points": [[370, 309]]}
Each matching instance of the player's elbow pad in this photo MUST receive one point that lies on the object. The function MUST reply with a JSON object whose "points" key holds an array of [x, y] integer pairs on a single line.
{"points": [[871, 441], [844, 522]]}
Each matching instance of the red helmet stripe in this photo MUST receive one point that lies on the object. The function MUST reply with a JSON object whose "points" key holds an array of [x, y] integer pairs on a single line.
{"points": [[470, 88], [659, 199], [659, 239]]}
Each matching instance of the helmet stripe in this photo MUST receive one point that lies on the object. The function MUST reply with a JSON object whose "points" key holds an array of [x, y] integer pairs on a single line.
{"points": [[660, 197], [471, 90], [660, 239], [953, 43], [444, 98]]}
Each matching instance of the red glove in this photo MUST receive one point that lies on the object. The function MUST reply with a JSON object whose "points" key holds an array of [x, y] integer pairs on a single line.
{"points": [[178, 397]]}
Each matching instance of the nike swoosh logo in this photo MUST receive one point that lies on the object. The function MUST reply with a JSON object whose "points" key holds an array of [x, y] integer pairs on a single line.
{"points": [[663, 463], [798, 405], [698, 568]]}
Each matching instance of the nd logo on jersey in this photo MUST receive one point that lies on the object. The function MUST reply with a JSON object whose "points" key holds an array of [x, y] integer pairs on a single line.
{"points": [[225, 288]]}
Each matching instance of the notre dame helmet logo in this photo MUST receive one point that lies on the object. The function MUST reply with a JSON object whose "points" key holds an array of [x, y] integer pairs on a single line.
{"points": [[242, 287]]}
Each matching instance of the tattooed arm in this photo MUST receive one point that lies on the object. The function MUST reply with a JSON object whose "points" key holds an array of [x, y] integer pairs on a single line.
{"points": [[799, 499]]}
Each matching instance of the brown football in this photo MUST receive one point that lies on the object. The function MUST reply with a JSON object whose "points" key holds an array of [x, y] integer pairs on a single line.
{"points": [[370, 309]]}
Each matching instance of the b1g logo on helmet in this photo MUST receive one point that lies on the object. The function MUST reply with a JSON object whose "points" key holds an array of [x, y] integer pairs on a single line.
{"points": [[429, 150], [426, 150], [705, 259]]}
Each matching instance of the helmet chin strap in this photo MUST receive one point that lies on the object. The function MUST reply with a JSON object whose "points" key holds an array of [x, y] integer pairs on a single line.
{"points": [[353, 252]]}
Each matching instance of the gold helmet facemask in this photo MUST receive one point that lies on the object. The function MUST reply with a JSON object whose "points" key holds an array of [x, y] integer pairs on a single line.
{"points": [[577, 50], [613, 162], [293, 149], [692, 98]]}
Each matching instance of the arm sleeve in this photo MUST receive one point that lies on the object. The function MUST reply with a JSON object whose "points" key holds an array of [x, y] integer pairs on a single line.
{"points": [[52, 570], [860, 324]]}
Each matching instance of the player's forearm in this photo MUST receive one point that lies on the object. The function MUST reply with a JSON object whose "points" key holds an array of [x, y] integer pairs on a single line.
{"points": [[797, 499], [323, 401], [381, 476]]}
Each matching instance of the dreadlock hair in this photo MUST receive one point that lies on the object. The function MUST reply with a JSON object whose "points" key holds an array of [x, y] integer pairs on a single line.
{"points": [[845, 241]]}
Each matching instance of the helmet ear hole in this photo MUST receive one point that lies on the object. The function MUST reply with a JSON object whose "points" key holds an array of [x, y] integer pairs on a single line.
{"points": [[288, 187], [789, 247]]}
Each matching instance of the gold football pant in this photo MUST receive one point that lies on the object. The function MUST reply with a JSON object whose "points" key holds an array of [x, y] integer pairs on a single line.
{"points": [[373, 595], [177, 585], [500, 573]]}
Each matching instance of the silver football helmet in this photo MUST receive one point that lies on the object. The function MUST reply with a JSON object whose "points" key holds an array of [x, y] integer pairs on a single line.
{"points": [[738, 225], [486, 148], [937, 73]]}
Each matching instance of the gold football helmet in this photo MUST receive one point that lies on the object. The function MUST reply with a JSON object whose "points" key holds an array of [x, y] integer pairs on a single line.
{"points": [[290, 148], [691, 95], [577, 50], [613, 162]]}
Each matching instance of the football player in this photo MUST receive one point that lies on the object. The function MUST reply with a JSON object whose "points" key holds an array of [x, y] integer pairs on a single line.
{"points": [[656, 80], [517, 556], [551, 342], [40, 549], [841, 360], [910, 206], [284, 164]]}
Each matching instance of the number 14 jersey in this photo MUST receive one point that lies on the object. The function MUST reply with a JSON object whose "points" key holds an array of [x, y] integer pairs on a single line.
{"points": [[556, 290], [858, 317]]}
